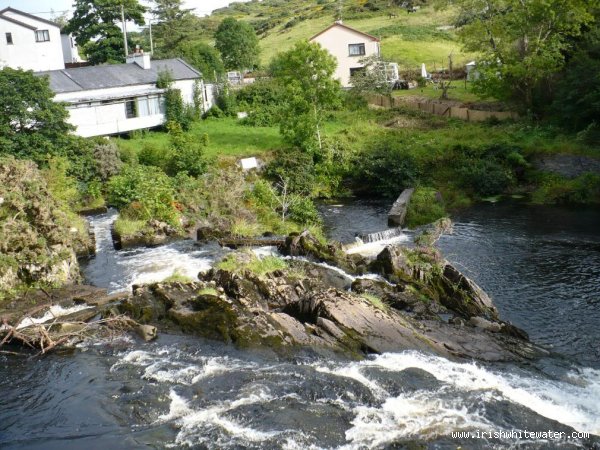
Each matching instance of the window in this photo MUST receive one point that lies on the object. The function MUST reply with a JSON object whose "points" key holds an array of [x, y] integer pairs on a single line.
{"points": [[130, 109], [356, 70], [148, 106], [356, 49], [9, 40], [42, 36]]}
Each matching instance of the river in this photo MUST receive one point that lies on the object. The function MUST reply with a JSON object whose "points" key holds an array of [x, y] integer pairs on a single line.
{"points": [[541, 266]]}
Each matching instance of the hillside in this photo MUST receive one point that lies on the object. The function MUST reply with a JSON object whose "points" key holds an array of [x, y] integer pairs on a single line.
{"points": [[409, 39]]}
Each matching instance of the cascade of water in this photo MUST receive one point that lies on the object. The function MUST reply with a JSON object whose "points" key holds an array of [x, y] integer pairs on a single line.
{"points": [[381, 235]]}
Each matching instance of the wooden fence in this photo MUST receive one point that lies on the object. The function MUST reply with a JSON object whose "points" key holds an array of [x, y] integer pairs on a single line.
{"points": [[441, 108]]}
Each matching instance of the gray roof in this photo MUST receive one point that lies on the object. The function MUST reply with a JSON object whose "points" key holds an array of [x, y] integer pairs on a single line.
{"points": [[16, 22], [116, 75], [31, 16]]}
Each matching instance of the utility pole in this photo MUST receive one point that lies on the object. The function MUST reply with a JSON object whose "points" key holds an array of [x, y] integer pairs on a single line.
{"points": [[124, 30], [151, 41]]}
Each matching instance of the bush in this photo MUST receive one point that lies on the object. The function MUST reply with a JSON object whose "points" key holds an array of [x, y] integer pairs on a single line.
{"points": [[486, 177], [186, 154], [303, 211], [425, 207], [387, 169], [107, 157], [554, 189], [214, 112], [226, 101], [296, 167], [152, 154], [143, 193]]}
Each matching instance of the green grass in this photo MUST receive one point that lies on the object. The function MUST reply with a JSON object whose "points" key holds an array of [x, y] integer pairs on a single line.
{"points": [[247, 260], [208, 291], [459, 91], [126, 227], [408, 39], [375, 301], [424, 208], [177, 276], [227, 138]]}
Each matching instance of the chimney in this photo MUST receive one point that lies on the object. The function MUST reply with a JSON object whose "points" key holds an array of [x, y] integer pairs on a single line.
{"points": [[140, 59]]}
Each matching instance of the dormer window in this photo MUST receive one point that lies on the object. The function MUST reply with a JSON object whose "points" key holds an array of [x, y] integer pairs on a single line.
{"points": [[9, 40], [42, 36], [356, 49]]}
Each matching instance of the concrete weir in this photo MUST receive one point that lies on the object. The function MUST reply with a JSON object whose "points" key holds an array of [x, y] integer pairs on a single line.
{"points": [[397, 213]]}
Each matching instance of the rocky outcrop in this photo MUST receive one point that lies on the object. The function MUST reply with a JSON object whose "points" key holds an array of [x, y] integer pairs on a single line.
{"points": [[305, 244], [435, 277], [282, 311]]}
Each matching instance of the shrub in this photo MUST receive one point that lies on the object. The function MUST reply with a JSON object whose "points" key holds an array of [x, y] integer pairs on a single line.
{"points": [[214, 112], [303, 211], [186, 154], [485, 177], [425, 207], [107, 157], [387, 169], [143, 192], [152, 154], [296, 167], [553, 188]]}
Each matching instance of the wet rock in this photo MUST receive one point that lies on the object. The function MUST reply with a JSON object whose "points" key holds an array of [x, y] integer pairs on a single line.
{"points": [[304, 244], [146, 332], [429, 274], [485, 324]]}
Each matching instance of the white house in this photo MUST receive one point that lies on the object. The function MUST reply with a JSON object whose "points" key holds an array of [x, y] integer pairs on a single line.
{"points": [[29, 42], [69, 49], [348, 46], [117, 98]]}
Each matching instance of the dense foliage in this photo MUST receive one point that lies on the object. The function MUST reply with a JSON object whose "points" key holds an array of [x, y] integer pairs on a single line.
{"points": [[32, 125], [238, 44], [522, 44], [306, 74]]}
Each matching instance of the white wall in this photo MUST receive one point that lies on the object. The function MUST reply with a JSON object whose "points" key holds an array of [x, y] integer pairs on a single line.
{"points": [[336, 41], [100, 120], [25, 52], [69, 49], [102, 111]]}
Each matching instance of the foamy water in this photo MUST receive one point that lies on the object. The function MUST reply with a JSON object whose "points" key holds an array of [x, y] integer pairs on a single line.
{"points": [[119, 270], [459, 402]]}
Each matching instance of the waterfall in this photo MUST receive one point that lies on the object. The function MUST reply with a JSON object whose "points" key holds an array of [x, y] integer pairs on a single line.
{"points": [[381, 235]]}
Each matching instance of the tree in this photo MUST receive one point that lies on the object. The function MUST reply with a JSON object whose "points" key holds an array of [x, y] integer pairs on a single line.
{"points": [[521, 43], [238, 44], [174, 27], [96, 26], [32, 125], [204, 58], [305, 73], [577, 102], [373, 78]]}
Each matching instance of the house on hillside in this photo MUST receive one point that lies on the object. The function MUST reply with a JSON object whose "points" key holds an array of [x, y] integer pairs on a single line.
{"points": [[118, 98], [29, 42], [349, 46]]}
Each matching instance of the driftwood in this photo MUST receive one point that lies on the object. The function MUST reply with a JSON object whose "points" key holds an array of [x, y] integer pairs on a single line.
{"points": [[55, 333]]}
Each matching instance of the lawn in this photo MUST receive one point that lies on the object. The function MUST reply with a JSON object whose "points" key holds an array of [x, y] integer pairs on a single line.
{"points": [[408, 39], [226, 138], [458, 91]]}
